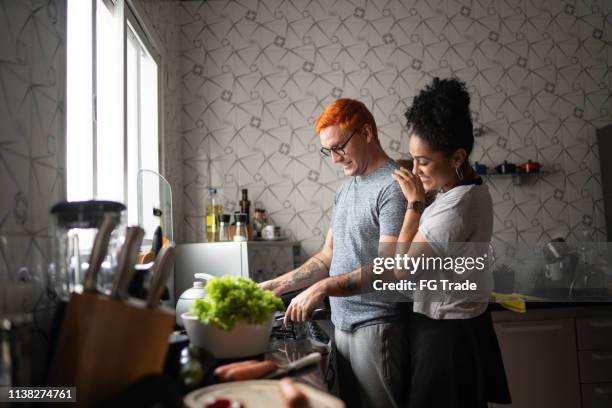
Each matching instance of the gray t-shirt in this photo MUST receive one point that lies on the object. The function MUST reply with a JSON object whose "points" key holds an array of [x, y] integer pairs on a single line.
{"points": [[463, 214], [365, 207]]}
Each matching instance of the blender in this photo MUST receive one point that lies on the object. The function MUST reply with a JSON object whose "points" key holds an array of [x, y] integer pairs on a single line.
{"points": [[75, 225]]}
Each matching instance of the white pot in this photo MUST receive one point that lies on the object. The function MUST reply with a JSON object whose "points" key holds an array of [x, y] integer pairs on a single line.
{"points": [[242, 341], [187, 300], [188, 297]]}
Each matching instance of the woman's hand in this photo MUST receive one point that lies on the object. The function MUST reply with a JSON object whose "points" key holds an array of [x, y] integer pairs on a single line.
{"points": [[411, 185]]}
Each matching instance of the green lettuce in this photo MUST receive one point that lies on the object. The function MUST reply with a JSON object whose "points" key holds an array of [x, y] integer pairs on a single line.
{"points": [[230, 299]]}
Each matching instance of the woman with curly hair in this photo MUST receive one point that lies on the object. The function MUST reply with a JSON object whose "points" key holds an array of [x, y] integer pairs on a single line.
{"points": [[454, 355]]}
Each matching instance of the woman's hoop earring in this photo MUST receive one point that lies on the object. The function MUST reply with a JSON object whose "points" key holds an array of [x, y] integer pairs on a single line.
{"points": [[459, 173]]}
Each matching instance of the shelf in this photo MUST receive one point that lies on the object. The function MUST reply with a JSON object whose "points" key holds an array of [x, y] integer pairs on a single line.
{"points": [[517, 178]]}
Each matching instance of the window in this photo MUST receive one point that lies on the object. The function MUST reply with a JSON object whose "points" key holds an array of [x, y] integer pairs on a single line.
{"points": [[112, 105], [79, 102], [142, 121]]}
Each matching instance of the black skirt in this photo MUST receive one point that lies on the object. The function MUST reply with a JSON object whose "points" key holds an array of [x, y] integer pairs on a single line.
{"points": [[455, 363]]}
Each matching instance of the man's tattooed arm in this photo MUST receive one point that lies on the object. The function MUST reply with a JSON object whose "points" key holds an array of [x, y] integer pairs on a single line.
{"points": [[345, 285], [310, 272]]}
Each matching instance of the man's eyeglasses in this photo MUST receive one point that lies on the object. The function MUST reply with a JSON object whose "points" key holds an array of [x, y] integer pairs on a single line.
{"points": [[325, 152]]}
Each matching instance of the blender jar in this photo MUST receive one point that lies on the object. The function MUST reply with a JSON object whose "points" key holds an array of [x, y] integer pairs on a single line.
{"points": [[75, 225]]}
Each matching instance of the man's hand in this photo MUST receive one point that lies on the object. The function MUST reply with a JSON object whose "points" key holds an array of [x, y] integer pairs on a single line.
{"points": [[272, 285], [301, 307]]}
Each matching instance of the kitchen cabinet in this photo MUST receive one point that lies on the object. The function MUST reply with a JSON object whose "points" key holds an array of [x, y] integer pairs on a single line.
{"points": [[595, 360], [557, 356], [596, 395], [540, 362]]}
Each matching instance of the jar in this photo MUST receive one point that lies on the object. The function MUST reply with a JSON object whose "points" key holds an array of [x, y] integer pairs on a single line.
{"points": [[75, 225], [241, 233], [224, 227]]}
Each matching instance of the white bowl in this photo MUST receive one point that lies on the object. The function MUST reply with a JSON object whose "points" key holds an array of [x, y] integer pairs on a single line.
{"points": [[242, 341]]}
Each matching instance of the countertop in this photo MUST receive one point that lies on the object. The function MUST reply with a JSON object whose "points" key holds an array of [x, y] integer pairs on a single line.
{"points": [[552, 310]]}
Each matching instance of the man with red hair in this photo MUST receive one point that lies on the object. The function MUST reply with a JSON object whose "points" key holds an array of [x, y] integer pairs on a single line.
{"points": [[369, 209]]}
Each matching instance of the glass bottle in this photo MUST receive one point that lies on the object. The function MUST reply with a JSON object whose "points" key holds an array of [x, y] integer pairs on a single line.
{"points": [[245, 204], [213, 209], [224, 228], [241, 228]]}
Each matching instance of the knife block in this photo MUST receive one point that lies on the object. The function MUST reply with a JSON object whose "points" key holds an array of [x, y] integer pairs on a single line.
{"points": [[105, 345]]}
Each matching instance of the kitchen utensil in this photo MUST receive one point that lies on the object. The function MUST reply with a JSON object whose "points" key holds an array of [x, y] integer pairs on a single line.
{"points": [[271, 232], [297, 367], [257, 394], [224, 228], [241, 233], [99, 364], [242, 341], [98, 253], [530, 167], [162, 270], [559, 273], [157, 243], [555, 271], [480, 168], [556, 249], [75, 225], [125, 263], [187, 298], [506, 168]]}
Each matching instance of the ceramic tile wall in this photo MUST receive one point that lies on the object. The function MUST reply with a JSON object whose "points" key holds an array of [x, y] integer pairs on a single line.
{"points": [[256, 74]]}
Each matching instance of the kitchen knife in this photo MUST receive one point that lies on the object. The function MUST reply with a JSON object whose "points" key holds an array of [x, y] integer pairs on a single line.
{"points": [[98, 253], [158, 241], [297, 367], [125, 263], [161, 272]]}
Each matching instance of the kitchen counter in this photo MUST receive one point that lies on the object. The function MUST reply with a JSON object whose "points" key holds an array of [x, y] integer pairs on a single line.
{"points": [[552, 310]]}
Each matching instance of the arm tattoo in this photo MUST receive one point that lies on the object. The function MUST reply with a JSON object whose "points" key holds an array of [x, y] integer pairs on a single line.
{"points": [[308, 270], [350, 283]]}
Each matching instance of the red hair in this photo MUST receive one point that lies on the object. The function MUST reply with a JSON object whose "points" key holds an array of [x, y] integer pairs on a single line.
{"points": [[349, 114]]}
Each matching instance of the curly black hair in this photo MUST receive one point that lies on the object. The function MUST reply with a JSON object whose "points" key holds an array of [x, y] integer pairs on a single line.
{"points": [[440, 115]]}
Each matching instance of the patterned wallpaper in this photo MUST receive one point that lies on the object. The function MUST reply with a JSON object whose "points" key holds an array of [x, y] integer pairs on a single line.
{"points": [[32, 145], [32, 83], [160, 15], [256, 74]]}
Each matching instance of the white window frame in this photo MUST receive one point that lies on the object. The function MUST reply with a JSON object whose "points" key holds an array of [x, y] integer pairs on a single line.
{"points": [[129, 11], [155, 48]]}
